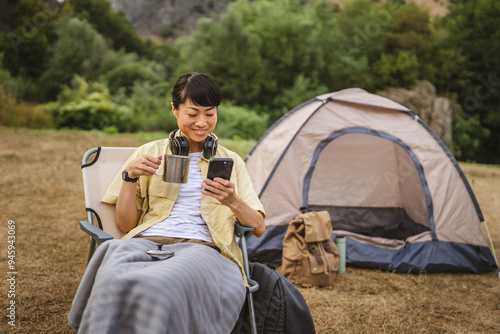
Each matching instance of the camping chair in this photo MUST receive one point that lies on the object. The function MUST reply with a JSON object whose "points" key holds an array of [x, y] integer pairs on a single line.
{"points": [[99, 167]]}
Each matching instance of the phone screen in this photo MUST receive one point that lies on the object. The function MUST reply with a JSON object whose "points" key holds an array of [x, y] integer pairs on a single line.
{"points": [[220, 167]]}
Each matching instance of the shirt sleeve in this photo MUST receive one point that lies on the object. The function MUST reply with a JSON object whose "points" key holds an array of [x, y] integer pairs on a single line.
{"points": [[245, 187]]}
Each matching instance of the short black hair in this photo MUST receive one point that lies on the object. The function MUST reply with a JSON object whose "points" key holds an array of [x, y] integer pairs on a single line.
{"points": [[200, 88]]}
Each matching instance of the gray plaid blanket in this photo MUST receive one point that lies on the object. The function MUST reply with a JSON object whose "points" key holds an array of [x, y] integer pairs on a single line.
{"points": [[124, 291]]}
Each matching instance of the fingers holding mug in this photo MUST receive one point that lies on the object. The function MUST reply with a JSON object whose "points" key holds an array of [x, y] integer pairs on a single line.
{"points": [[145, 165]]}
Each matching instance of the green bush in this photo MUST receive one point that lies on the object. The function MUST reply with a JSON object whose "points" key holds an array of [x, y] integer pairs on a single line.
{"points": [[17, 113], [19, 87], [240, 123], [126, 75], [13, 110], [399, 69], [89, 107], [150, 103], [467, 136]]}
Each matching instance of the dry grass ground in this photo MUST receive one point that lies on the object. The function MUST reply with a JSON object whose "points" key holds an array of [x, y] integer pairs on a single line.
{"points": [[41, 191]]}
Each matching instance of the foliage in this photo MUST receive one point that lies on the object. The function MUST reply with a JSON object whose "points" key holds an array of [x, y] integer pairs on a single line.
{"points": [[274, 55], [127, 74], [412, 31], [14, 112], [88, 107], [474, 33], [302, 90], [151, 106], [16, 86], [255, 51], [23, 58], [240, 123], [398, 69], [113, 26], [20, 113], [267, 56], [467, 136], [25, 40], [77, 51]]}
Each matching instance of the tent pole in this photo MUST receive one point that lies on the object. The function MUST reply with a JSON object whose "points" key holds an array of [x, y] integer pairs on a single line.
{"points": [[491, 243]]}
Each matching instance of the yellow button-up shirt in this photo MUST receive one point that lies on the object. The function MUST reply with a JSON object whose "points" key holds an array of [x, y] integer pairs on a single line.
{"points": [[155, 198]]}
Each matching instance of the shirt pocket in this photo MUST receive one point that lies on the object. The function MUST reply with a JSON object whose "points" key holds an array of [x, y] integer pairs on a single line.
{"points": [[159, 189]]}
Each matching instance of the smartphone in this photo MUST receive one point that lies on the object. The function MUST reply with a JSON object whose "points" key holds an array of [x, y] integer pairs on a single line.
{"points": [[220, 167]]}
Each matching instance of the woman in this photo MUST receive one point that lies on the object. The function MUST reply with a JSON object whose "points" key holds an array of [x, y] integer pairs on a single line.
{"points": [[200, 289]]}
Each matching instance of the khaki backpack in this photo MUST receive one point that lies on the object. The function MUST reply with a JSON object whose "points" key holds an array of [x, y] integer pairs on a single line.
{"points": [[310, 257]]}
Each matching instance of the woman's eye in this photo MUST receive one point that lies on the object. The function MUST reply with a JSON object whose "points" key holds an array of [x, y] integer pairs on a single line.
{"points": [[192, 115]]}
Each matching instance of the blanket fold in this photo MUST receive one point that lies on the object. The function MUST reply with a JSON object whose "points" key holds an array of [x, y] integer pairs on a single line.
{"points": [[124, 291]]}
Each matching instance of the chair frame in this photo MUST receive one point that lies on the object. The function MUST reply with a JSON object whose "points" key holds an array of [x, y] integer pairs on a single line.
{"points": [[97, 235]]}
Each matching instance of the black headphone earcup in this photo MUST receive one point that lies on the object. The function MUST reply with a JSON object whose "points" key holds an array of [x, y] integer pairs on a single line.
{"points": [[207, 148], [178, 145], [183, 145], [210, 147], [174, 147]]}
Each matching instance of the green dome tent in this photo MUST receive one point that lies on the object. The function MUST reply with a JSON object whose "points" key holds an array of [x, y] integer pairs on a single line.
{"points": [[389, 183]]}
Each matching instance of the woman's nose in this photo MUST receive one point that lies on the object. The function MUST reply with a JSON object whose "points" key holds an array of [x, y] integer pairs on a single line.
{"points": [[201, 121]]}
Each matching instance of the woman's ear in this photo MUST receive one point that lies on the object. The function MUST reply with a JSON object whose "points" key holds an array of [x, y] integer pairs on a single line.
{"points": [[174, 111]]}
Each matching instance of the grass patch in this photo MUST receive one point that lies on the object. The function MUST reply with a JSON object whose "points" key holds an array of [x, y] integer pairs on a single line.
{"points": [[41, 190]]}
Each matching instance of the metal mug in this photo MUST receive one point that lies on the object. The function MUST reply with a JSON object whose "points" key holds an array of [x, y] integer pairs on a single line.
{"points": [[175, 168]]}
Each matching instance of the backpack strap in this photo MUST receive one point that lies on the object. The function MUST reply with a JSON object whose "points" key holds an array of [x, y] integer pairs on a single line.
{"points": [[314, 252], [329, 249]]}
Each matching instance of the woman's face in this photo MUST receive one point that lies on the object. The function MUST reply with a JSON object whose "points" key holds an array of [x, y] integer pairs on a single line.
{"points": [[195, 123]]}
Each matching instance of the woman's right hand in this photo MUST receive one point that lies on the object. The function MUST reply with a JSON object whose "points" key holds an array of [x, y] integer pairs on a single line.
{"points": [[127, 215], [145, 165]]}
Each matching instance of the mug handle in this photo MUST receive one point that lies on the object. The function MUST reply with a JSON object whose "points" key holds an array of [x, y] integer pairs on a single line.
{"points": [[161, 164]]}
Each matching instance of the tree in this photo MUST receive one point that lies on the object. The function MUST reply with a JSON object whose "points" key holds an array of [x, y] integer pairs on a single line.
{"points": [[474, 31], [256, 50], [77, 51], [228, 52], [113, 26], [28, 58], [26, 38]]}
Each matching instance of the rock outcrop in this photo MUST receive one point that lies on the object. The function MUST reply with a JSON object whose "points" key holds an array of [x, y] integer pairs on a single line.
{"points": [[152, 17], [436, 111]]}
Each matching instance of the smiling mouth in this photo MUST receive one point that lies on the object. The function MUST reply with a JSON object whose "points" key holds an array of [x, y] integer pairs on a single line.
{"points": [[200, 132]]}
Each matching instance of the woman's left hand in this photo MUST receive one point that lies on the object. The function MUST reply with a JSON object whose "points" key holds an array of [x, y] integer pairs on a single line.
{"points": [[220, 189], [224, 191]]}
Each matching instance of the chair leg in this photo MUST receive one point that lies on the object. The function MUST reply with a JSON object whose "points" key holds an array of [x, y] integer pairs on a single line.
{"points": [[91, 248], [253, 322]]}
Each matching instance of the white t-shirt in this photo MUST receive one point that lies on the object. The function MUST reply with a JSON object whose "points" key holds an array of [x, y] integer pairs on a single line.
{"points": [[185, 220]]}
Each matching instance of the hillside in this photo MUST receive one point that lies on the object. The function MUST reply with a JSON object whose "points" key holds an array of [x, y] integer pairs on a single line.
{"points": [[155, 18], [163, 16]]}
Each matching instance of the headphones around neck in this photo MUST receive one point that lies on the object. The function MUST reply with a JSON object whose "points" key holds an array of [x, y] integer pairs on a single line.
{"points": [[180, 146]]}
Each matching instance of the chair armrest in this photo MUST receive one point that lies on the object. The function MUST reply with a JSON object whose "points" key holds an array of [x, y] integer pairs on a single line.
{"points": [[95, 232], [241, 230], [253, 285]]}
